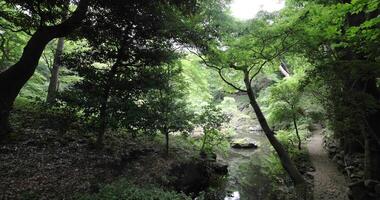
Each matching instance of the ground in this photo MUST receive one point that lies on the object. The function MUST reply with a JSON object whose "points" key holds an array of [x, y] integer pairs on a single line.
{"points": [[48, 159], [329, 183]]}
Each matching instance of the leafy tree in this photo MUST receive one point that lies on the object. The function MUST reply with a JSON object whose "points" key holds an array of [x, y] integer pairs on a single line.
{"points": [[284, 100], [44, 18], [211, 120], [338, 37], [44, 23], [167, 107], [54, 77], [259, 44]]}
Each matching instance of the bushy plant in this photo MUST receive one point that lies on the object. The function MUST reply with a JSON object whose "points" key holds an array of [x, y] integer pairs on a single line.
{"points": [[124, 190], [211, 120]]}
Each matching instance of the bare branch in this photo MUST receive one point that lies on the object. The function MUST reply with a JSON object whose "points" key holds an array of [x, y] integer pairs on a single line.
{"points": [[258, 71], [219, 69], [229, 83]]}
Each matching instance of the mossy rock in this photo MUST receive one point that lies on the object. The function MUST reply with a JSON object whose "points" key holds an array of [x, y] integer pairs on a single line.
{"points": [[244, 143]]}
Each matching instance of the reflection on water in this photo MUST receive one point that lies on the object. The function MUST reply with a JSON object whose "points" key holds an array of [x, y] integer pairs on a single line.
{"points": [[245, 179]]}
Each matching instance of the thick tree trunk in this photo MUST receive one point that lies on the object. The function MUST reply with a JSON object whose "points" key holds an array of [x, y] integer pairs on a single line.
{"points": [[15, 77], [54, 78], [284, 71], [286, 162], [5, 127]]}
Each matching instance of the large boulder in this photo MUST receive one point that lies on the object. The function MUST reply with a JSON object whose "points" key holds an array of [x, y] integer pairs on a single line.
{"points": [[195, 176], [220, 168], [244, 143], [190, 177]]}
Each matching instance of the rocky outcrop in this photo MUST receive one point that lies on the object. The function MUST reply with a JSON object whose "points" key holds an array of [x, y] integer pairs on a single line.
{"points": [[365, 190], [244, 143], [352, 166], [196, 176]]}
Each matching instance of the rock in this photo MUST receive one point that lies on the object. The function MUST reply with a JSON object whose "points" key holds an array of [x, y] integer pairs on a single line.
{"points": [[220, 168], [244, 143], [309, 175], [357, 191], [190, 177], [377, 189], [311, 169], [371, 184], [208, 156], [255, 128]]}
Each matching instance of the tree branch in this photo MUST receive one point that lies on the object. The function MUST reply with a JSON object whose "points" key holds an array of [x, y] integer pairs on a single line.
{"points": [[229, 83], [204, 61], [257, 72]]}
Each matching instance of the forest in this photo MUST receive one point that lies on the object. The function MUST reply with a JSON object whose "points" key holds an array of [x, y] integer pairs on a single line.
{"points": [[184, 99]]}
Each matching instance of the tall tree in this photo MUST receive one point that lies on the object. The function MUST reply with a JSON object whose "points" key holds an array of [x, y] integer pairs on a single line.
{"points": [[339, 38], [284, 100], [244, 57], [167, 106], [125, 59], [42, 18], [54, 77]]}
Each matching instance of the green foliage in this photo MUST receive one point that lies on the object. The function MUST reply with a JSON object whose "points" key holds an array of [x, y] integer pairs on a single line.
{"points": [[284, 101], [11, 45], [36, 88], [289, 141], [123, 190], [166, 106], [211, 120]]}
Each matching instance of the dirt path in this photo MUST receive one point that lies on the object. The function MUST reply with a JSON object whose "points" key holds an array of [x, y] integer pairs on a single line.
{"points": [[329, 183]]}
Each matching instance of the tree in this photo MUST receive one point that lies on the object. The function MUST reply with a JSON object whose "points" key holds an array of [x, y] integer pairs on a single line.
{"points": [[167, 105], [114, 81], [54, 78], [339, 38], [125, 60], [259, 44], [211, 120], [44, 19], [284, 100]]}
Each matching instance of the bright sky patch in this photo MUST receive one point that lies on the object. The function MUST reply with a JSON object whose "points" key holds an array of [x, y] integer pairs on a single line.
{"points": [[247, 9]]}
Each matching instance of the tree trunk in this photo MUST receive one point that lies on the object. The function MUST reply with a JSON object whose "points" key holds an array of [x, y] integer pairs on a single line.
{"points": [[367, 155], [5, 127], [102, 121], [167, 142], [204, 141], [297, 133], [54, 78], [286, 162], [15, 77], [284, 71], [103, 113]]}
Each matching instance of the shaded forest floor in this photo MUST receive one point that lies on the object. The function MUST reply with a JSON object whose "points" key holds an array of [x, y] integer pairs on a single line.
{"points": [[329, 183], [48, 159]]}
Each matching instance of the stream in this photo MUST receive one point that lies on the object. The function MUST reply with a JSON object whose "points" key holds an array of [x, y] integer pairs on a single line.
{"points": [[245, 180]]}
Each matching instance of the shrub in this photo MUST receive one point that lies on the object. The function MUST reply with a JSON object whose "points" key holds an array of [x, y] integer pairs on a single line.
{"points": [[124, 190]]}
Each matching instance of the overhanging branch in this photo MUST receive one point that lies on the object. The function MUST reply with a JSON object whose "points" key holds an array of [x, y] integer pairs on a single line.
{"points": [[258, 71], [219, 69]]}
